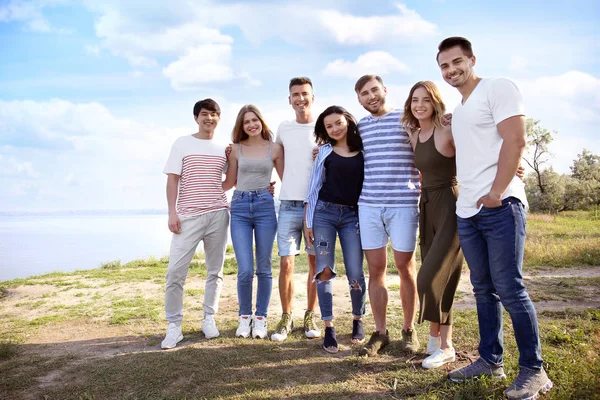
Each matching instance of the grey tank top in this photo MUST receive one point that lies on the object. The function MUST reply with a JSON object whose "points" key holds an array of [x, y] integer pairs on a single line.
{"points": [[254, 174]]}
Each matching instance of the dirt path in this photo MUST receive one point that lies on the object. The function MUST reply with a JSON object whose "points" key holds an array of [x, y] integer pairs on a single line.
{"points": [[89, 335]]}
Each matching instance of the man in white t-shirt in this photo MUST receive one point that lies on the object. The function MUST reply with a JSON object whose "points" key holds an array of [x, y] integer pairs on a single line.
{"points": [[198, 211], [489, 134], [297, 138]]}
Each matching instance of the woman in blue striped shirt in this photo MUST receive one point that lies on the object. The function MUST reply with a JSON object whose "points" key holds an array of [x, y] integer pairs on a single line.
{"points": [[331, 211]]}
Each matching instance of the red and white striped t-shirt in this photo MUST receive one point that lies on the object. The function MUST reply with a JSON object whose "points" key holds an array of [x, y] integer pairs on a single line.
{"points": [[200, 164]]}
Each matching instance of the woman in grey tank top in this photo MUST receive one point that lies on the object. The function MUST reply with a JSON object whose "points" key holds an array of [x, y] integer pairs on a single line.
{"points": [[251, 163]]}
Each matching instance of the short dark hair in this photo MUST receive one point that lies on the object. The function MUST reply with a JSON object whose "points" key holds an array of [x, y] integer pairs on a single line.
{"points": [[353, 137], [207, 104], [300, 80], [454, 41], [362, 81]]}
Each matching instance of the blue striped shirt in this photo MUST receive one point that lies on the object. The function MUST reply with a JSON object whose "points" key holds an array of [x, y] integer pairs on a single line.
{"points": [[316, 182], [391, 179]]}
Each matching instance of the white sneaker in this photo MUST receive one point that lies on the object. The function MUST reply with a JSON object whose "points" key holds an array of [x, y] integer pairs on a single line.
{"points": [[435, 342], [439, 358], [173, 336], [244, 328], [209, 327], [259, 327]]}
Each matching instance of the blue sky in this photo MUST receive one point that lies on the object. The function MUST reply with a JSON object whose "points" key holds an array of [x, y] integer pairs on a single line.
{"points": [[92, 94]]}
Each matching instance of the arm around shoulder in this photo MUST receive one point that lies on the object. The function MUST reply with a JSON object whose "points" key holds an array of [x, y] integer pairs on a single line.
{"points": [[232, 170]]}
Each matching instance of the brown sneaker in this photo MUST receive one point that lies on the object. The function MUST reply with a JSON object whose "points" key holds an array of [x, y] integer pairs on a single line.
{"points": [[377, 342], [410, 341]]}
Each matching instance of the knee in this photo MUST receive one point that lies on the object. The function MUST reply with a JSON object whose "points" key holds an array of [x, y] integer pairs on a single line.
{"points": [[286, 265], [423, 284], [355, 285], [324, 275], [513, 296], [245, 276]]}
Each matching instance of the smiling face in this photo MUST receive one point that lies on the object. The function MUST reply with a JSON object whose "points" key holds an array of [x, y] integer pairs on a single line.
{"points": [[372, 97], [251, 124], [336, 127], [207, 120], [456, 67], [301, 98], [421, 104]]}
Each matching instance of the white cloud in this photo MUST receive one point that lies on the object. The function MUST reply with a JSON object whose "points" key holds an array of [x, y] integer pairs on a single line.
{"points": [[106, 154], [379, 62], [574, 95], [518, 64], [353, 30], [92, 50], [10, 166], [202, 65], [31, 14]]}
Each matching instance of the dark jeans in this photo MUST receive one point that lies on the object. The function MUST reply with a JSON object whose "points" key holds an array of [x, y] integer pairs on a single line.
{"points": [[333, 220], [493, 241]]}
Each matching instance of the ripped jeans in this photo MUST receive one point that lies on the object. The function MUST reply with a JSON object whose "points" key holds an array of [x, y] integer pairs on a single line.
{"points": [[331, 220]]}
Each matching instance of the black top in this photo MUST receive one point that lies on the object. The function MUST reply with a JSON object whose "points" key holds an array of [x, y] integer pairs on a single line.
{"points": [[343, 179]]}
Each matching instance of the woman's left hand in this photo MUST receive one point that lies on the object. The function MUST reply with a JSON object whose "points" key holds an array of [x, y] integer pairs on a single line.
{"points": [[309, 235]]}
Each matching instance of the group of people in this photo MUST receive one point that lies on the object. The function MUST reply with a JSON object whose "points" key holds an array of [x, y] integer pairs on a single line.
{"points": [[394, 172]]}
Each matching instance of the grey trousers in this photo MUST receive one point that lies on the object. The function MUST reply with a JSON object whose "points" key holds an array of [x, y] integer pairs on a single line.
{"points": [[212, 229]]}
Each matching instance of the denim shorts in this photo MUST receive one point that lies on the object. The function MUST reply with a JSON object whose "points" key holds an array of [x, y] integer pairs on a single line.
{"points": [[399, 224], [290, 229]]}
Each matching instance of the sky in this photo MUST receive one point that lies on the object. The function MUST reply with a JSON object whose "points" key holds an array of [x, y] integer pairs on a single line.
{"points": [[93, 93]]}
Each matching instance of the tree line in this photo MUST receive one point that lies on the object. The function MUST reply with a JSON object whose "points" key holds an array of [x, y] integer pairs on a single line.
{"points": [[549, 191]]}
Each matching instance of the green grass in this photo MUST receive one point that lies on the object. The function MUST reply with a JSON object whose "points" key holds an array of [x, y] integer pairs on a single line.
{"points": [[236, 368], [230, 367], [564, 240], [8, 349], [137, 308]]}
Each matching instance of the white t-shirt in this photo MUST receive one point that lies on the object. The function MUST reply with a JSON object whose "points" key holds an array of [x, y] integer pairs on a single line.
{"points": [[200, 164], [298, 142], [474, 127]]}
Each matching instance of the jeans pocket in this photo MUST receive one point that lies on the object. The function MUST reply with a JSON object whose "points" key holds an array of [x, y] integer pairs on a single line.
{"points": [[320, 205], [236, 196], [501, 207]]}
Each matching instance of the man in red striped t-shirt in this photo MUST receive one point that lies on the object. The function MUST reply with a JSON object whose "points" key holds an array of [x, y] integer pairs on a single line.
{"points": [[198, 211]]}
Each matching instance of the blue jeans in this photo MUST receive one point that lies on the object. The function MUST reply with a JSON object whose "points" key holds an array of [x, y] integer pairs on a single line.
{"points": [[253, 211], [493, 242], [331, 219]]}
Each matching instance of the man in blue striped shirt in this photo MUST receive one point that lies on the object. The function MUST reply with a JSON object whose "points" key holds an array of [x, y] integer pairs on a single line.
{"points": [[388, 209]]}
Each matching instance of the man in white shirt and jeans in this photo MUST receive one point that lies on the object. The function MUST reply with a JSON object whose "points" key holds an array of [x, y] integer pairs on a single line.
{"points": [[489, 134]]}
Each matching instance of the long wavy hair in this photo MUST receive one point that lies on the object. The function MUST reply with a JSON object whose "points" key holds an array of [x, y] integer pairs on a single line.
{"points": [[408, 121], [238, 134], [352, 138]]}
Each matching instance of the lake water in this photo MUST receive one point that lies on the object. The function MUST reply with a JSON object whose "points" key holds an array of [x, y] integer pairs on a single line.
{"points": [[37, 244]]}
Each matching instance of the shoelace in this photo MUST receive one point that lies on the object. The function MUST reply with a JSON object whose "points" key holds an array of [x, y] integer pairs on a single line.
{"points": [[524, 377]]}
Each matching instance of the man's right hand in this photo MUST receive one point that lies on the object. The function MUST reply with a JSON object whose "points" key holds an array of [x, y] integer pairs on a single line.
{"points": [[174, 224]]}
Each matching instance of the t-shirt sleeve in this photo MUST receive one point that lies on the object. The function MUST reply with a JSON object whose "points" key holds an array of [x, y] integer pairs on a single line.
{"points": [[278, 135], [505, 100], [175, 161]]}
